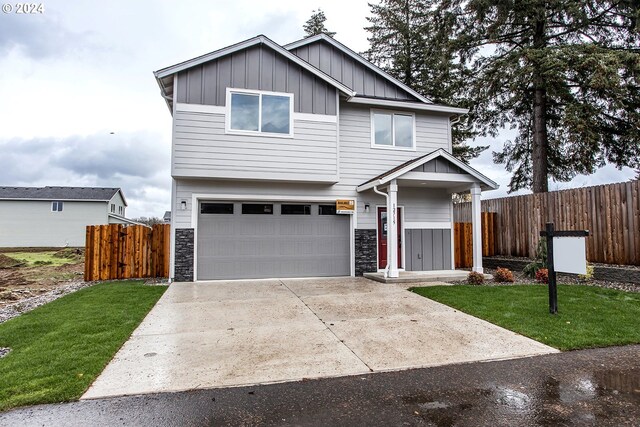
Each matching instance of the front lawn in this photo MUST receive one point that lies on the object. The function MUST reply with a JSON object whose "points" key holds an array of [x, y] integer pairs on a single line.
{"points": [[57, 350], [587, 316]]}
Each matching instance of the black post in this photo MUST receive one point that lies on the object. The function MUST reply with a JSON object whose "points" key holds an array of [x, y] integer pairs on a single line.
{"points": [[553, 289]]}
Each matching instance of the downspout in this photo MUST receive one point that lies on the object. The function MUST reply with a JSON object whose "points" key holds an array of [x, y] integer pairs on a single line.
{"points": [[386, 196]]}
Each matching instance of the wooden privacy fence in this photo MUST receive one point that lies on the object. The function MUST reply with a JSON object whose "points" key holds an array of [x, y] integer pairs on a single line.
{"points": [[463, 240], [610, 212], [116, 251]]}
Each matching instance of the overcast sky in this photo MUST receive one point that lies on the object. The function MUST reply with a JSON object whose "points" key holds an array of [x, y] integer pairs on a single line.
{"points": [[77, 73]]}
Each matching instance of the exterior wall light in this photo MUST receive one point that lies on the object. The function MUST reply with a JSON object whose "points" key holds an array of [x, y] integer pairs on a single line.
{"points": [[183, 205], [367, 208]]}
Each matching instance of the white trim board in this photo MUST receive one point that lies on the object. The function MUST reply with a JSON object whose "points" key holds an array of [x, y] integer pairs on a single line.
{"points": [[222, 110], [429, 225], [406, 105]]}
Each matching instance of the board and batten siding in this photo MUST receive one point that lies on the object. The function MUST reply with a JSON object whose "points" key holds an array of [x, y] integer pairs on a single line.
{"points": [[258, 68], [202, 149], [358, 163], [342, 67], [27, 223]]}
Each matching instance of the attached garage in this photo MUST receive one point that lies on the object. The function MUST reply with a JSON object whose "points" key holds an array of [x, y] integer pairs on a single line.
{"points": [[250, 240]]}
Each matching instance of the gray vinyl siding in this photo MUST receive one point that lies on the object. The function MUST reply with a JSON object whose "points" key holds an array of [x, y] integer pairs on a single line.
{"points": [[358, 163], [349, 72], [32, 224], [118, 202], [258, 68], [201, 148]]}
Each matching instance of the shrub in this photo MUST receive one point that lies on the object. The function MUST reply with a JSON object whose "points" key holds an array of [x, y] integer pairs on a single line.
{"points": [[475, 278], [540, 260], [542, 275], [587, 277], [503, 275]]}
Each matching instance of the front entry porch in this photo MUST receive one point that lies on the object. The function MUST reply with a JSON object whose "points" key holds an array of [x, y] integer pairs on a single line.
{"points": [[423, 251], [421, 276]]}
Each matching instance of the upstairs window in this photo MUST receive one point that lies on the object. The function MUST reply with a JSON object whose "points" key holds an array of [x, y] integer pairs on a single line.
{"points": [[113, 208], [121, 210], [56, 206], [392, 130], [265, 113]]}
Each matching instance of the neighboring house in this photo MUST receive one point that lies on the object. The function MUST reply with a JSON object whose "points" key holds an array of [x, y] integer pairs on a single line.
{"points": [[56, 216], [167, 217], [267, 139]]}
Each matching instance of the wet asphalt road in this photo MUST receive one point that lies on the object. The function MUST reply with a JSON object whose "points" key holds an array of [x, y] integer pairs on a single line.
{"points": [[598, 387]]}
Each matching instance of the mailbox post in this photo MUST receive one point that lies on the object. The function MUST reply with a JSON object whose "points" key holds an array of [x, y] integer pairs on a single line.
{"points": [[565, 261]]}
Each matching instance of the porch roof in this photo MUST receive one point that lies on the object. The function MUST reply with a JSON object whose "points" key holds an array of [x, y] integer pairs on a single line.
{"points": [[458, 177]]}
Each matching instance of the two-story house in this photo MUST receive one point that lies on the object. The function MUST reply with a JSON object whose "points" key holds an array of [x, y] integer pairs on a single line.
{"points": [[57, 216], [287, 160]]}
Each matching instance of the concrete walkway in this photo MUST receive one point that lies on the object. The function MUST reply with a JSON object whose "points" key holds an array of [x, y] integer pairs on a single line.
{"points": [[217, 334]]}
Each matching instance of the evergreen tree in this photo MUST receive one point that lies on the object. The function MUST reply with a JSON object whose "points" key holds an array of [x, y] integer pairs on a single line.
{"points": [[564, 73], [315, 25], [408, 41]]}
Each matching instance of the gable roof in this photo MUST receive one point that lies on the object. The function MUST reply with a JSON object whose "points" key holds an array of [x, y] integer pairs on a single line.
{"points": [[96, 194], [410, 165], [165, 76], [357, 57]]}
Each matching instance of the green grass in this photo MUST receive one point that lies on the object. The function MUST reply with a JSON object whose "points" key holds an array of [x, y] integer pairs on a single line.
{"points": [[60, 348], [587, 316], [32, 259]]}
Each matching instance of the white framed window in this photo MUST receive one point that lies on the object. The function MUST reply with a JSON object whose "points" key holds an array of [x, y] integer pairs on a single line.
{"points": [[393, 130], [113, 208], [120, 210], [253, 112], [56, 206]]}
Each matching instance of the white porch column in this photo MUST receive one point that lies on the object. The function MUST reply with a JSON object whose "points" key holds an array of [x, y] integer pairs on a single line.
{"points": [[392, 229], [477, 228]]}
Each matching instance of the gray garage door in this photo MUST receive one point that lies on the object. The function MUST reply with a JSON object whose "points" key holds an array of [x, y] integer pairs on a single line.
{"points": [[262, 240]]}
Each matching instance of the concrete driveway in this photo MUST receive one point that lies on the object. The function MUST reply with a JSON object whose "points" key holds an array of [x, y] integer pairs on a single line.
{"points": [[217, 334]]}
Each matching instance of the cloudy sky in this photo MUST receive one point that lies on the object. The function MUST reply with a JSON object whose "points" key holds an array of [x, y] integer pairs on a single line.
{"points": [[81, 107]]}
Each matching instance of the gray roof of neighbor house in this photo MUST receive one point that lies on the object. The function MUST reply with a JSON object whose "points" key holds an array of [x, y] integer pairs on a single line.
{"points": [[59, 193]]}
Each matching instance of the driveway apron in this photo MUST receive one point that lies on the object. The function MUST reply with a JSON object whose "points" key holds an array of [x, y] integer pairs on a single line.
{"points": [[220, 334]]}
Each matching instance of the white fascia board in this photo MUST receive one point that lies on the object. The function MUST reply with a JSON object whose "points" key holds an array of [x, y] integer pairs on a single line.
{"points": [[438, 153], [127, 220], [358, 58], [18, 199], [248, 43], [407, 105], [122, 195], [471, 171]]}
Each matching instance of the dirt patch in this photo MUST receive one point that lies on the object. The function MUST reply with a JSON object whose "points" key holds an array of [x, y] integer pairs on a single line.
{"points": [[8, 262], [22, 281]]}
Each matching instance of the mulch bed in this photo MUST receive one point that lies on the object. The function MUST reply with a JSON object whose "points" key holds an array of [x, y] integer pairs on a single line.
{"points": [[521, 279]]}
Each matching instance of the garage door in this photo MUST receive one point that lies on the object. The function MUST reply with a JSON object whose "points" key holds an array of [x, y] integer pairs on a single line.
{"points": [[263, 240]]}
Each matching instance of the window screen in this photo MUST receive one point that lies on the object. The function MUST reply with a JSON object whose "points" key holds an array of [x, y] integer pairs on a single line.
{"points": [[327, 209], [295, 210], [56, 206], [216, 208], [257, 209]]}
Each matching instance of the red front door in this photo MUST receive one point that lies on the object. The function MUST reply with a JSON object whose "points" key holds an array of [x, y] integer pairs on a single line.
{"points": [[382, 237]]}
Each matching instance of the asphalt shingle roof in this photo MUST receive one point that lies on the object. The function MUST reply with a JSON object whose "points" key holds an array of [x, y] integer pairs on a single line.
{"points": [[58, 193]]}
